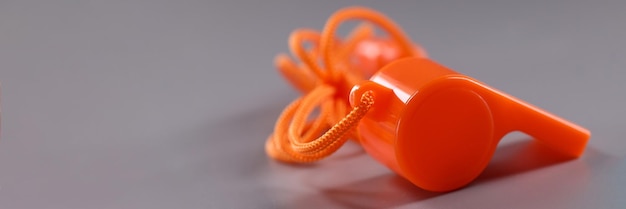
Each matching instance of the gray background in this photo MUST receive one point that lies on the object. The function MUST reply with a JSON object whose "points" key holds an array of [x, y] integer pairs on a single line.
{"points": [[167, 104]]}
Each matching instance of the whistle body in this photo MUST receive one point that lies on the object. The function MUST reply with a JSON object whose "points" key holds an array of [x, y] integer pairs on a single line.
{"points": [[439, 128]]}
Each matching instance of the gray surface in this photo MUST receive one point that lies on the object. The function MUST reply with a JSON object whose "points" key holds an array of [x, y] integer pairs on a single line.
{"points": [[167, 104]]}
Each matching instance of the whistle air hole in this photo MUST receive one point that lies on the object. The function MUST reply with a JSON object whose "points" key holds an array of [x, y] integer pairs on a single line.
{"points": [[445, 139]]}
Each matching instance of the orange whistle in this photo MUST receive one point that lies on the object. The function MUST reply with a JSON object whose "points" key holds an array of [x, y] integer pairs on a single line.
{"points": [[439, 128]]}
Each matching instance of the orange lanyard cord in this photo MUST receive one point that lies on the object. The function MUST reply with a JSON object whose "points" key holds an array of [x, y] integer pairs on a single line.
{"points": [[295, 139], [365, 14]]}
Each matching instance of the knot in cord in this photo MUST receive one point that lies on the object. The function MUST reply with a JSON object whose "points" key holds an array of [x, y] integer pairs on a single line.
{"points": [[297, 138]]}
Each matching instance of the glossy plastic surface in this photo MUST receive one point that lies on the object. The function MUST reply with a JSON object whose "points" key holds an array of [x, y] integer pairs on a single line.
{"points": [[439, 128]]}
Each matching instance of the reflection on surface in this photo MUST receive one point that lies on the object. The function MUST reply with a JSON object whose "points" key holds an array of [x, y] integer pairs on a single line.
{"points": [[345, 182], [383, 191]]}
